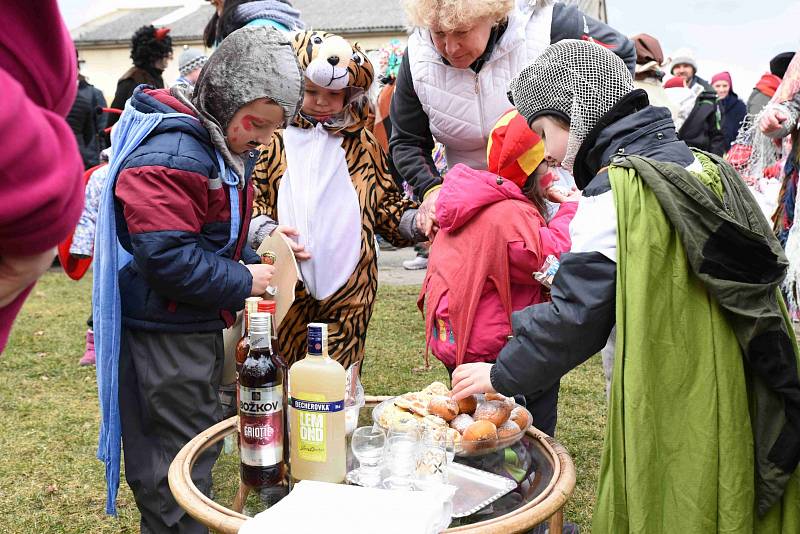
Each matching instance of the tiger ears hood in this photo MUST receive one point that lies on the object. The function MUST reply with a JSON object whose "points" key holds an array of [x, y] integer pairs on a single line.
{"points": [[332, 62]]}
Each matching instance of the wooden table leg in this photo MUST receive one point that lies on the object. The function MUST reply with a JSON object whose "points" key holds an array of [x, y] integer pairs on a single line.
{"points": [[240, 498], [556, 522]]}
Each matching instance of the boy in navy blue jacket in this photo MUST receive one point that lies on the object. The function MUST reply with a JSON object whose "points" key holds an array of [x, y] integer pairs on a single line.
{"points": [[182, 204]]}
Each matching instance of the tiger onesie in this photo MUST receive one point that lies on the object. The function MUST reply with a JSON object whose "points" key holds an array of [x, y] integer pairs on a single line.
{"points": [[330, 181]]}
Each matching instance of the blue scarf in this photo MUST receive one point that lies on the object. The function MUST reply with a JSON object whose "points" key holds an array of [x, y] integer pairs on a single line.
{"points": [[131, 130]]}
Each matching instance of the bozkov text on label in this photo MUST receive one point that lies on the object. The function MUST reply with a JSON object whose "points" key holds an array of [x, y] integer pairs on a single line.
{"points": [[261, 417]]}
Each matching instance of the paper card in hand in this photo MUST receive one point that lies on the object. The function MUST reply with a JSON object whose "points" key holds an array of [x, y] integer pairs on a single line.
{"points": [[286, 275]]}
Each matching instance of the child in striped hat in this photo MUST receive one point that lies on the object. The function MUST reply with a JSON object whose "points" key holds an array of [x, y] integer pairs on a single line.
{"points": [[493, 239], [190, 63]]}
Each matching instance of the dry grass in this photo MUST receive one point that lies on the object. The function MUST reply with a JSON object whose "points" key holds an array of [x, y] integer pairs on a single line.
{"points": [[50, 480]]}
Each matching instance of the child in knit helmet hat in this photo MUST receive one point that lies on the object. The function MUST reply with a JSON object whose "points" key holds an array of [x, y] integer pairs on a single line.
{"points": [[178, 200], [669, 247]]}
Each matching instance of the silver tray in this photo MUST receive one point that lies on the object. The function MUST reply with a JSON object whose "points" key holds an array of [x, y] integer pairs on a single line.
{"points": [[475, 488]]}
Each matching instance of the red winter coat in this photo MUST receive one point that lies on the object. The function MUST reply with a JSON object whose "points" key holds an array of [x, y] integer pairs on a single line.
{"points": [[491, 241]]}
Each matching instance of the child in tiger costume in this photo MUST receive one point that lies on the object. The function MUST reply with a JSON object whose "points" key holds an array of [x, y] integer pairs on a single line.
{"points": [[325, 179]]}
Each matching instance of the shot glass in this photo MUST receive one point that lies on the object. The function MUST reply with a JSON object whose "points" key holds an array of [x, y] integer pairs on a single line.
{"points": [[367, 444]]}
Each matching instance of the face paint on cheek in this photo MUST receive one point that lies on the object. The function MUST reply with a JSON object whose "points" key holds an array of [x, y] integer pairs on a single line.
{"points": [[247, 122]]}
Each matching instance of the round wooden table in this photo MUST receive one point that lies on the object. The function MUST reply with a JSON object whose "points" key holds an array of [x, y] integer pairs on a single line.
{"points": [[541, 495]]}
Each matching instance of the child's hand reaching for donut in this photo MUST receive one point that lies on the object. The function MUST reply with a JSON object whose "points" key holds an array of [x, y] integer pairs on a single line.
{"points": [[471, 378]]}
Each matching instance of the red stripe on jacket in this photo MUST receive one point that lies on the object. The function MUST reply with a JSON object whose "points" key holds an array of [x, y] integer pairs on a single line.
{"points": [[157, 198]]}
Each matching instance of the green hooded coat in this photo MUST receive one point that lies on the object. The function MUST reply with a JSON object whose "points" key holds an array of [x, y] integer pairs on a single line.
{"points": [[691, 425]]}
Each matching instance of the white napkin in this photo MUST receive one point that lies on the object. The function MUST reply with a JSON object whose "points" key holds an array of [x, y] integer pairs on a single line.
{"points": [[313, 507]]}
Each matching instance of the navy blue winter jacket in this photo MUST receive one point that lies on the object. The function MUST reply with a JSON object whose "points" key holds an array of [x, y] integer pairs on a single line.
{"points": [[733, 112], [173, 215]]}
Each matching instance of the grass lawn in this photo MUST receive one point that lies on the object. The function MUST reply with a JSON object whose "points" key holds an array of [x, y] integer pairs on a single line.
{"points": [[50, 480]]}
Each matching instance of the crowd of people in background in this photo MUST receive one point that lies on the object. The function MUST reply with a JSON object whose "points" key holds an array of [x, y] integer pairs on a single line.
{"points": [[708, 115], [545, 139]]}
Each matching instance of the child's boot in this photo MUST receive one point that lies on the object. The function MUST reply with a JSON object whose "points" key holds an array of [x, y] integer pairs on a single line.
{"points": [[88, 355]]}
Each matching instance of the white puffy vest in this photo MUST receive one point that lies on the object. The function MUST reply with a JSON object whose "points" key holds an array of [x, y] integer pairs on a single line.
{"points": [[463, 106]]}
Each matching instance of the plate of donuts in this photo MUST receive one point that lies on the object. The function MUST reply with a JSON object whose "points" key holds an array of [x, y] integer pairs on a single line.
{"points": [[478, 424]]}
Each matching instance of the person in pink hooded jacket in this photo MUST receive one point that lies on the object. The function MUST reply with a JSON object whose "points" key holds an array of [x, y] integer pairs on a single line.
{"points": [[493, 238], [40, 166]]}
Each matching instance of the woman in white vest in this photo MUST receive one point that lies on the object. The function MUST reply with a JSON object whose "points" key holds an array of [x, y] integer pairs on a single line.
{"points": [[454, 78], [453, 85]]}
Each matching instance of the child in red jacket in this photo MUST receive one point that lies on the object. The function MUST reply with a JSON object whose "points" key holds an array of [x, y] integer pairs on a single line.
{"points": [[493, 239]]}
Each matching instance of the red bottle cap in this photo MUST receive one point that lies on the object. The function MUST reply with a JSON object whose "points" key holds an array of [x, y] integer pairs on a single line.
{"points": [[266, 306]]}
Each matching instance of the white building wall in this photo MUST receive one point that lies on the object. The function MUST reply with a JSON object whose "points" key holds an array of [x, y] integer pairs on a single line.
{"points": [[104, 65]]}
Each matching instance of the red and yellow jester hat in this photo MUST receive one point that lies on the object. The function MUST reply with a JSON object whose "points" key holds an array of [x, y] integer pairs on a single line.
{"points": [[514, 151]]}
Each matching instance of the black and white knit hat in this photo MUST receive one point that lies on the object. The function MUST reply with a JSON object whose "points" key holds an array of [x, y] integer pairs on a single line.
{"points": [[191, 59]]}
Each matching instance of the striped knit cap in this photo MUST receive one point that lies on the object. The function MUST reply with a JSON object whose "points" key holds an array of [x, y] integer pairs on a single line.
{"points": [[191, 59], [514, 150]]}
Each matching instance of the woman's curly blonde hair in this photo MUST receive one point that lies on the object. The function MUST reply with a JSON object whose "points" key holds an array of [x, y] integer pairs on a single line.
{"points": [[448, 15]]}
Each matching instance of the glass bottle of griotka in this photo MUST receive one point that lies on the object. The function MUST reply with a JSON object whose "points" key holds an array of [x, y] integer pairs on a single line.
{"points": [[261, 409], [243, 345], [316, 413]]}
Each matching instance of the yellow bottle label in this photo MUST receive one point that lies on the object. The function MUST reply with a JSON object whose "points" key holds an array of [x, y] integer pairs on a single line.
{"points": [[311, 417]]}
